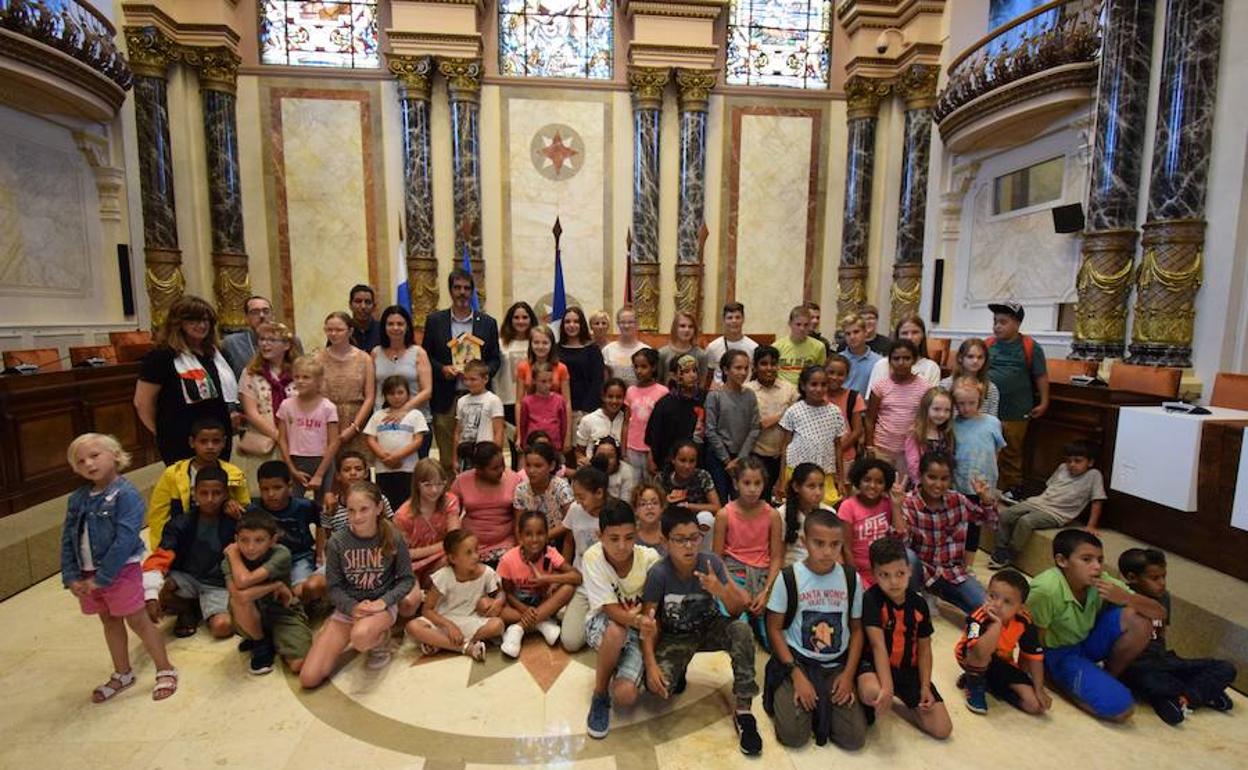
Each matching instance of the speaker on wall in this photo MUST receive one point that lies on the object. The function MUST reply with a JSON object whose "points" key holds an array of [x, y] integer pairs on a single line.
{"points": [[938, 288], [123, 273], [1068, 219]]}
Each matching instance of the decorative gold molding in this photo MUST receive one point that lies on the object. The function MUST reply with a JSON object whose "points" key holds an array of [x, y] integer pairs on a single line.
{"points": [[866, 14], [463, 78], [1104, 284], [164, 280], [864, 96], [1166, 283], [414, 73], [917, 83], [646, 295], [695, 88], [647, 85], [681, 9], [216, 67], [688, 297], [149, 51], [852, 289], [1069, 76], [906, 290], [232, 286]]}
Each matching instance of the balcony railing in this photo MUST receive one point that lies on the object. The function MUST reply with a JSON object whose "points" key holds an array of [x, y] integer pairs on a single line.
{"points": [[1054, 34], [72, 27]]}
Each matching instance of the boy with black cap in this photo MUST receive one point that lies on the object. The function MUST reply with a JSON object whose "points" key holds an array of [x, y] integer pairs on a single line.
{"points": [[1017, 367]]}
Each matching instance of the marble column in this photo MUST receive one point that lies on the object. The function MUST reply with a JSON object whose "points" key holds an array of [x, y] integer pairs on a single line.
{"points": [[695, 90], [1104, 281], [647, 85], [149, 53], [1169, 274], [464, 84], [415, 75], [918, 85], [864, 96], [218, 82]]}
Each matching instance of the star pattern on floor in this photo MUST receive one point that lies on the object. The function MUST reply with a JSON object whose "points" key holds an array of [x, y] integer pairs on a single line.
{"points": [[544, 663]]}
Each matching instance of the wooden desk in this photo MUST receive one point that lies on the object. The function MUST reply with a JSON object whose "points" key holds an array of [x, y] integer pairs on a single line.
{"points": [[41, 413]]}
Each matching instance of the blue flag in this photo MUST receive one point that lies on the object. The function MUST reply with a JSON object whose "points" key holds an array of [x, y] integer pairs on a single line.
{"points": [[559, 299], [467, 266]]}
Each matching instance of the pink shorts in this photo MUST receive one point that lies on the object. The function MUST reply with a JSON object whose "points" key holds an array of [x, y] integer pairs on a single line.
{"points": [[342, 617], [124, 597]]}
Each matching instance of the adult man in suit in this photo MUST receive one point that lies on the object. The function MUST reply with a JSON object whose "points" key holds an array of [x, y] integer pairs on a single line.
{"points": [[441, 327]]}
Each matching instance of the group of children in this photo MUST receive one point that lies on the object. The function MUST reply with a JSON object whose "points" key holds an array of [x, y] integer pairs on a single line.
{"points": [[876, 495]]}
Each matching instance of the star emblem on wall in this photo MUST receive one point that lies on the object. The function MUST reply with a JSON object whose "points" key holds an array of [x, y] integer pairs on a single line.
{"points": [[557, 151]]}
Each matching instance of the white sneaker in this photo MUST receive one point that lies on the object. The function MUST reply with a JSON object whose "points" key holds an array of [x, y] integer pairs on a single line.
{"points": [[512, 638], [549, 630]]}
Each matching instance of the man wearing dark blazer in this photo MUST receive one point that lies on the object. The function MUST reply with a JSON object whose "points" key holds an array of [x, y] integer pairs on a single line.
{"points": [[441, 327]]}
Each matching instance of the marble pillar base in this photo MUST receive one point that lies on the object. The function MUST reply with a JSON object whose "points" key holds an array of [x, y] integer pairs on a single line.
{"points": [[164, 280], [852, 295], [422, 283], [906, 291], [1104, 286], [689, 289], [646, 295], [232, 286], [1165, 292]]}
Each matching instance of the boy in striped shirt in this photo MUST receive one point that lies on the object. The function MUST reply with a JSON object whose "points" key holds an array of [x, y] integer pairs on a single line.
{"points": [[986, 650]]}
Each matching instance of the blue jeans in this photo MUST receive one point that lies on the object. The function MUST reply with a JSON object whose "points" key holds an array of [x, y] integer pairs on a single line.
{"points": [[968, 595]]}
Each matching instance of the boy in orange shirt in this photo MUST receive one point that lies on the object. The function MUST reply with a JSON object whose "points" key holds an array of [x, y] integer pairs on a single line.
{"points": [[986, 650]]}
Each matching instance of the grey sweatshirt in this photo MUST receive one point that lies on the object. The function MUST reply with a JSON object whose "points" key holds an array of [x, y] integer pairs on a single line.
{"points": [[356, 570], [731, 423]]}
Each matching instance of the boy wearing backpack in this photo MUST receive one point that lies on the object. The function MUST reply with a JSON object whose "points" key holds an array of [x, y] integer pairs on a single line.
{"points": [[1017, 367], [815, 630]]}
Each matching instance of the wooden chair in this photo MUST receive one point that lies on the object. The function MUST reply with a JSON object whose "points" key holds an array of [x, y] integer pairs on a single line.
{"points": [[1062, 369], [1230, 390], [129, 353], [1153, 380], [138, 337], [47, 359], [79, 354], [938, 350]]}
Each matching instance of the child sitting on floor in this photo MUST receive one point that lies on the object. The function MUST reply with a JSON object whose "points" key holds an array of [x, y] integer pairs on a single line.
{"points": [[899, 632], [1173, 686], [1087, 617], [696, 605], [187, 563], [101, 554], [815, 628], [537, 583], [351, 468], [688, 485], [429, 513], [295, 518], [1072, 487], [542, 490], [266, 612], [874, 512], [207, 440], [464, 606], [648, 506], [986, 650]]}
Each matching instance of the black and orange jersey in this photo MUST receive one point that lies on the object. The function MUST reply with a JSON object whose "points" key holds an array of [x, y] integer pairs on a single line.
{"points": [[1020, 633], [903, 624]]}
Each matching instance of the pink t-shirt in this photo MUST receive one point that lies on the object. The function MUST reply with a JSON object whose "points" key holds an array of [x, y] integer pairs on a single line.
{"points": [[548, 413], [485, 509], [641, 400], [899, 405], [306, 433], [870, 523], [521, 572], [749, 540]]}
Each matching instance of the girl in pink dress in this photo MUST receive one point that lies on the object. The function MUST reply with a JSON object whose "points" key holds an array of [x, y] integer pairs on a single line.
{"points": [[485, 494], [874, 512]]}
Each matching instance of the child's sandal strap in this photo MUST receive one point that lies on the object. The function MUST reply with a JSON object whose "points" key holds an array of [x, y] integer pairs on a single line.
{"points": [[106, 691], [165, 689]]}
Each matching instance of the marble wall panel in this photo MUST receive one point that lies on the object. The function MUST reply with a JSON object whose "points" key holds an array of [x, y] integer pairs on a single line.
{"points": [[773, 199], [535, 193], [322, 147]]}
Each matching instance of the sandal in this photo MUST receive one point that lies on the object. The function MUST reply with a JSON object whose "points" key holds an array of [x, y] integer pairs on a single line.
{"points": [[115, 684], [166, 688], [475, 650]]}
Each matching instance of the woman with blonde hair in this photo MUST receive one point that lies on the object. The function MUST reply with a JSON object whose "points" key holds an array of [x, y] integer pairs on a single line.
{"points": [[185, 378], [682, 341]]}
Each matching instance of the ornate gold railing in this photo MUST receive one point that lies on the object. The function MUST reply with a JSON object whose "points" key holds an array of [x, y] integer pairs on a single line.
{"points": [[1054, 34], [72, 27]]}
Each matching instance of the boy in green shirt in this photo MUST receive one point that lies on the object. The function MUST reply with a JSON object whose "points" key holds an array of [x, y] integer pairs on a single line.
{"points": [[1017, 367], [799, 350], [1086, 618]]}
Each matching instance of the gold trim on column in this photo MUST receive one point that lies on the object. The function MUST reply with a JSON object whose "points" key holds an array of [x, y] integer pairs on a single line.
{"points": [[646, 295], [164, 280], [149, 51], [688, 296], [414, 73], [422, 280], [232, 286], [463, 78], [695, 88], [906, 291], [864, 95], [852, 294], [217, 68], [917, 83], [1167, 281], [647, 85], [1104, 284]]}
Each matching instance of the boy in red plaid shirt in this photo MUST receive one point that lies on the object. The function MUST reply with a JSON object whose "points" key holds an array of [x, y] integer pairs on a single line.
{"points": [[937, 518]]}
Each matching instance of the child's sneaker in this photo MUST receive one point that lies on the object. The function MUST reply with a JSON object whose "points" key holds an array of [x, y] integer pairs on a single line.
{"points": [[747, 733], [1000, 559], [1220, 702], [1170, 710], [262, 656], [475, 650], [247, 645], [599, 722], [976, 693], [512, 638], [549, 630], [379, 657]]}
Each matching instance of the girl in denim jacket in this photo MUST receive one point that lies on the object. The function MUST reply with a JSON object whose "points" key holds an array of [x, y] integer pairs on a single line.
{"points": [[100, 560]]}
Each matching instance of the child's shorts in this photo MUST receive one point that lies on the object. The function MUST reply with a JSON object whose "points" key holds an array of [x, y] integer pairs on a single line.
{"points": [[288, 628], [468, 625], [752, 579], [303, 568], [1002, 676], [342, 617], [213, 600], [831, 495], [631, 667], [124, 597], [1074, 668], [905, 683]]}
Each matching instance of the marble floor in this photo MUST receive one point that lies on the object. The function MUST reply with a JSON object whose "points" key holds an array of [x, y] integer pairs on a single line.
{"points": [[447, 712]]}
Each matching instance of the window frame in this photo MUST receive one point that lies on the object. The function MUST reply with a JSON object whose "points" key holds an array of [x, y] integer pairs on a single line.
{"points": [[613, 60], [828, 31], [380, 17]]}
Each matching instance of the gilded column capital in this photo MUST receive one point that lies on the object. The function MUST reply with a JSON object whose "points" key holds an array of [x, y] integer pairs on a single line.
{"points": [[647, 85], [463, 78], [217, 67], [149, 51], [917, 83], [414, 73], [864, 95], [695, 88]]}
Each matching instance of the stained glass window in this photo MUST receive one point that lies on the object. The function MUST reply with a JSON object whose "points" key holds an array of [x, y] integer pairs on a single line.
{"points": [[319, 34], [556, 38], [780, 43]]}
